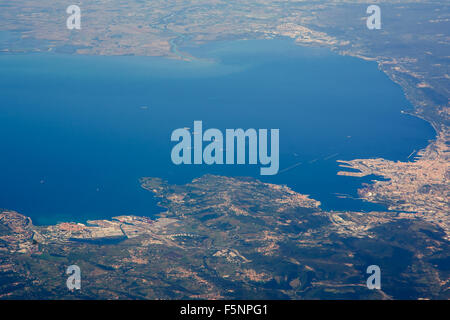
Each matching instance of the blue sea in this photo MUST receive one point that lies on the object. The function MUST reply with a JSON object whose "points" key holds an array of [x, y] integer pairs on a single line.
{"points": [[77, 132]]}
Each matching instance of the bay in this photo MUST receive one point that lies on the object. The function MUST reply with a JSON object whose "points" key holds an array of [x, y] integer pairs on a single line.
{"points": [[77, 132]]}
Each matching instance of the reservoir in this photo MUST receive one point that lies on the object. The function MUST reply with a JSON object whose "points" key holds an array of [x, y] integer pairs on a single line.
{"points": [[77, 132]]}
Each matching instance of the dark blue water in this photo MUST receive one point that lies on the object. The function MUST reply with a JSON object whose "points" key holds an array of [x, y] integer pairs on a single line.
{"points": [[77, 132]]}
